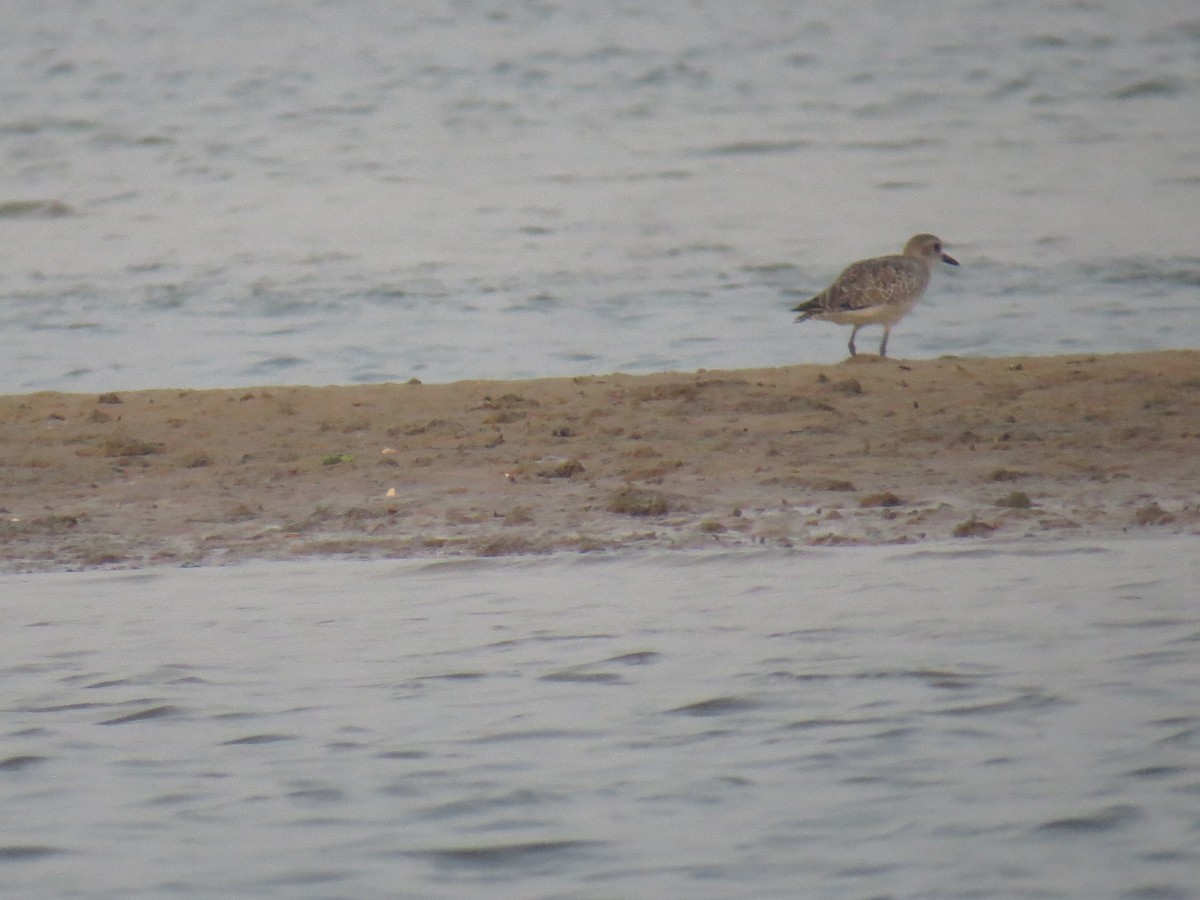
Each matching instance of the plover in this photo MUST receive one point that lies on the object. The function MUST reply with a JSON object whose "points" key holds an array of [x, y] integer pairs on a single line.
{"points": [[878, 291]]}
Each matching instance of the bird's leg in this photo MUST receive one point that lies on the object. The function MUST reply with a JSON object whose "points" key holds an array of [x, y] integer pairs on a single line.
{"points": [[853, 332], [883, 344]]}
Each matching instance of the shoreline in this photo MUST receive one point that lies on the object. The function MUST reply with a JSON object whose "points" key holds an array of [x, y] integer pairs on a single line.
{"points": [[866, 451]]}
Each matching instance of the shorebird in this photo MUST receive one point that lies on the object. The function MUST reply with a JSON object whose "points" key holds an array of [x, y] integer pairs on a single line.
{"points": [[878, 291]]}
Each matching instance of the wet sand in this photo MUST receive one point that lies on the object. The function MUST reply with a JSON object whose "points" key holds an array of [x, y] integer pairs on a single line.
{"points": [[867, 451]]}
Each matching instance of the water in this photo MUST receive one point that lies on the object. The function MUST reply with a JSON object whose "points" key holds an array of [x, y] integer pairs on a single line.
{"points": [[223, 194], [227, 194], [994, 722]]}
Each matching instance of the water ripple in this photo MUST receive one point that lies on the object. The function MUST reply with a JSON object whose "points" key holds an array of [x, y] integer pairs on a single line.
{"points": [[1108, 818], [518, 855]]}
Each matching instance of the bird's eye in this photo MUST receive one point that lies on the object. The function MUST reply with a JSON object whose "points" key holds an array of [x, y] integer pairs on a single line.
{"points": [[937, 247]]}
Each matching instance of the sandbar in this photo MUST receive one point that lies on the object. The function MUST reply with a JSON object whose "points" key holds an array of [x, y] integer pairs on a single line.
{"points": [[867, 451]]}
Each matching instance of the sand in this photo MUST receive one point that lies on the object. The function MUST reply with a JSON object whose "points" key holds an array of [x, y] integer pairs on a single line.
{"points": [[868, 451]]}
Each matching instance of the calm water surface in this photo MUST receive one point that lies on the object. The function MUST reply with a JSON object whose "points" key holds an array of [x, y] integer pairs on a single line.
{"points": [[995, 722], [222, 194]]}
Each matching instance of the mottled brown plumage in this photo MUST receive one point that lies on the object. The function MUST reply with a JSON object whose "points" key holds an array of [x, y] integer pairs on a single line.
{"points": [[878, 291]]}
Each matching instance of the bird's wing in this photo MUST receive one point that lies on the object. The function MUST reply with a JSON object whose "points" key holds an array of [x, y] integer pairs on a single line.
{"points": [[875, 282]]}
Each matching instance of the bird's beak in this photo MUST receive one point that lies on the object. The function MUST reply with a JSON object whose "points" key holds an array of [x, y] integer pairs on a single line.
{"points": [[948, 259]]}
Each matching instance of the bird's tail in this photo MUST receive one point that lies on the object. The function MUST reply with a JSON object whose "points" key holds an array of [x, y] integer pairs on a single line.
{"points": [[809, 308]]}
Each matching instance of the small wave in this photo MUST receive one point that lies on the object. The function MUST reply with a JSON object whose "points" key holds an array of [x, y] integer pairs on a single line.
{"points": [[475, 805], [1109, 818], [818, 723], [64, 707], [142, 715], [1025, 701], [1159, 892], [108, 682], [25, 852], [716, 706], [755, 148], [509, 855], [638, 658], [1164, 273], [1134, 592], [275, 364], [35, 209], [317, 794], [1149, 87], [1157, 772], [534, 734], [47, 125], [252, 739], [1016, 549], [19, 763], [401, 754], [66, 326], [1184, 737], [581, 676]]}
